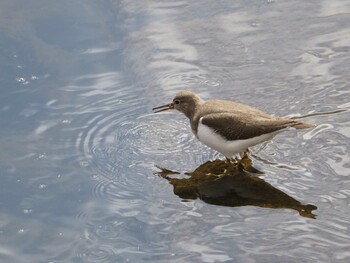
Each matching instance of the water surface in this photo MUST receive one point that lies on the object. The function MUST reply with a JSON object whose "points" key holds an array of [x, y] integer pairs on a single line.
{"points": [[80, 146]]}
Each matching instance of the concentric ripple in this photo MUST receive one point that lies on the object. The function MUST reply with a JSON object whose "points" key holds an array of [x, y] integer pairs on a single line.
{"points": [[153, 135], [118, 139], [112, 137], [97, 254]]}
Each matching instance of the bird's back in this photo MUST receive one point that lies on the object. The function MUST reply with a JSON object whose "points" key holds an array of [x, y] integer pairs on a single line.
{"points": [[221, 106]]}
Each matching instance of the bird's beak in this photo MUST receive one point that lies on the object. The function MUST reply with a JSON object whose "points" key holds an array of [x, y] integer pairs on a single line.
{"points": [[165, 107]]}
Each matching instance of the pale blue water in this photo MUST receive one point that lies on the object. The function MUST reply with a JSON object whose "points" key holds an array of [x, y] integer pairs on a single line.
{"points": [[79, 143]]}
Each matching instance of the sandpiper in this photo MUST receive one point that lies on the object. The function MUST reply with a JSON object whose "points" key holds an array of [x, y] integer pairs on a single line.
{"points": [[228, 127]]}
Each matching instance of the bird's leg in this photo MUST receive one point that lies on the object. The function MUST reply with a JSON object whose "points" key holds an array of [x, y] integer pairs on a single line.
{"points": [[232, 164], [232, 161], [244, 154], [246, 163], [244, 158]]}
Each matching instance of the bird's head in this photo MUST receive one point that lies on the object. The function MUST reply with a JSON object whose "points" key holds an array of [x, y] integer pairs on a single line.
{"points": [[184, 101]]}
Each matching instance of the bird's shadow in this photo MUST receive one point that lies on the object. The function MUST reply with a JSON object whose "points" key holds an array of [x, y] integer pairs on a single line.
{"points": [[218, 183]]}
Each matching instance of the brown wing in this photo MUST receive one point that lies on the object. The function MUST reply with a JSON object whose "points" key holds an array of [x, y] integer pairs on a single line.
{"points": [[244, 126]]}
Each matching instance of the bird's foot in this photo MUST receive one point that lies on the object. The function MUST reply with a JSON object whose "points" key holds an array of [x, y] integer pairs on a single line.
{"points": [[232, 162], [233, 166], [244, 163]]}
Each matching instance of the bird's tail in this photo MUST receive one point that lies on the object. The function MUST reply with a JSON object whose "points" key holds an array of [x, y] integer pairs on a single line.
{"points": [[302, 125]]}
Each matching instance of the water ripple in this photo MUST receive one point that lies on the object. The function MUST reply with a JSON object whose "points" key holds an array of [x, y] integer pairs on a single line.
{"points": [[151, 135], [118, 141], [102, 253]]}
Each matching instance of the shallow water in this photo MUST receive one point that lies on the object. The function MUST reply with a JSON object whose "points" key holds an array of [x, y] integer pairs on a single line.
{"points": [[80, 146]]}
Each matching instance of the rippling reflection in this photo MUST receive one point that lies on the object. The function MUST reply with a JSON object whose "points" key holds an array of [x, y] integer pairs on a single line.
{"points": [[239, 188]]}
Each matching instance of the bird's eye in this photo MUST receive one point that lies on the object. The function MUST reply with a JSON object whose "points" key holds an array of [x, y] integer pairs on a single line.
{"points": [[176, 101]]}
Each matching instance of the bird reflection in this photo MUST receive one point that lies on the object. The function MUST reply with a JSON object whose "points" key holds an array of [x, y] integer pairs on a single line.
{"points": [[219, 183]]}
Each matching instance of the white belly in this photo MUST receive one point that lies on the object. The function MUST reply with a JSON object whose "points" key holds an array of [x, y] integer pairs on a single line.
{"points": [[228, 148]]}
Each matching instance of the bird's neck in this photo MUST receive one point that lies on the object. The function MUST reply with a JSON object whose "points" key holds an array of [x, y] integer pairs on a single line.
{"points": [[191, 113], [194, 116]]}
